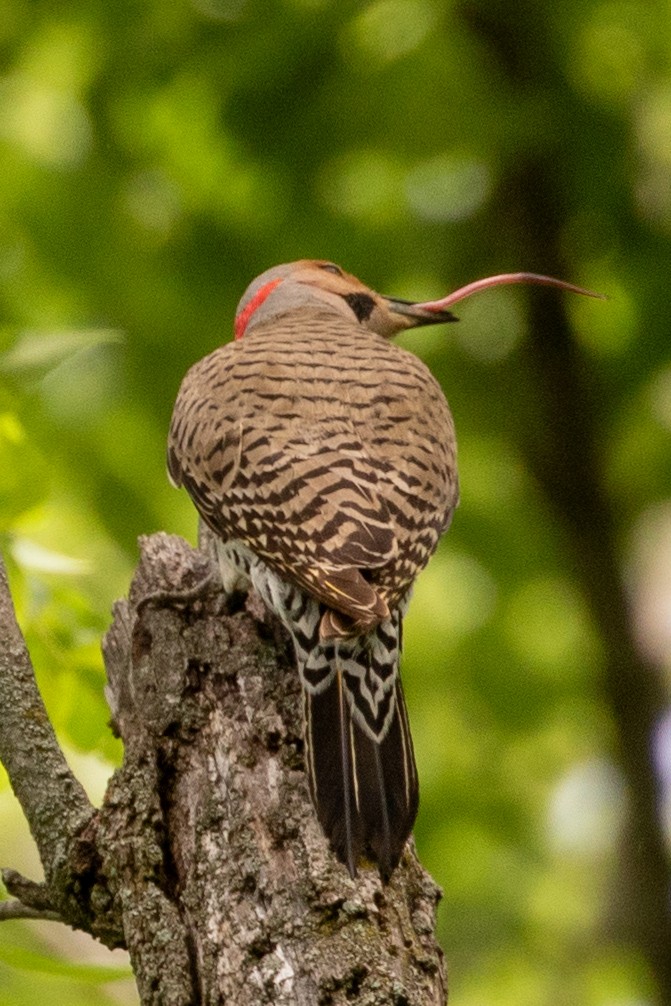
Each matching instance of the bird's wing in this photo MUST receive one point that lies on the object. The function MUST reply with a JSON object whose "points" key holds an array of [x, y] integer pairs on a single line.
{"points": [[303, 498]]}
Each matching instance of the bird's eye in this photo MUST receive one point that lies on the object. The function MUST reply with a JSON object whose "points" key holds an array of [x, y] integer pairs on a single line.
{"points": [[330, 267]]}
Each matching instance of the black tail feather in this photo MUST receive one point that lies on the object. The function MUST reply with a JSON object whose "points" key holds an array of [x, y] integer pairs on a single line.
{"points": [[347, 770], [365, 792]]}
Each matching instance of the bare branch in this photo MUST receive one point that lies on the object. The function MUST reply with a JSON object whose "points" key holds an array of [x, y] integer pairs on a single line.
{"points": [[53, 801], [35, 896], [17, 910]]}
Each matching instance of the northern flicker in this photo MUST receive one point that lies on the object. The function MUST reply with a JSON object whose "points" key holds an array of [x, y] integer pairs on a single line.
{"points": [[323, 458]]}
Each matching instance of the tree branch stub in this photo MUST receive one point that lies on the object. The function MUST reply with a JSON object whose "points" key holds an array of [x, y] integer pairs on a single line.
{"points": [[208, 706], [206, 859]]}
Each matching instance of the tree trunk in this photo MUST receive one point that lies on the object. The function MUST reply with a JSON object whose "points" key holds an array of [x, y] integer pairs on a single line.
{"points": [[206, 859]]}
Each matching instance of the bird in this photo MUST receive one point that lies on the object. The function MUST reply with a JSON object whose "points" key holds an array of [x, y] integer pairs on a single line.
{"points": [[322, 457]]}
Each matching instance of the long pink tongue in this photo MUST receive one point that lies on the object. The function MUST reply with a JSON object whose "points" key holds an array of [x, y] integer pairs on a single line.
{"points": [[505, 279]]}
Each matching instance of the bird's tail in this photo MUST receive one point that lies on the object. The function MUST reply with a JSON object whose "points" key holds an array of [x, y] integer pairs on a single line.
{"points": [[358, 749], [359, 755]]}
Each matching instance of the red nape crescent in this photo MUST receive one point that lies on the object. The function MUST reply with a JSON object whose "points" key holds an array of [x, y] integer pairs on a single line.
{"points": [[256, 301]]}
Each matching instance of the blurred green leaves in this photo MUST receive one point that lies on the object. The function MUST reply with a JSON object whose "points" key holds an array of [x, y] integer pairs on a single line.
{"points": [[28, 974], [156, 157]]}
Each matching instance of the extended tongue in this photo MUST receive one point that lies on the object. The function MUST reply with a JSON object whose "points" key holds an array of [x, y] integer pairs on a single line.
{"points": [[503, 279]]}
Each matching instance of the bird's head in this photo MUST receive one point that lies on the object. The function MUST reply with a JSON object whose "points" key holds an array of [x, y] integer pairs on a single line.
{"points": [[314, 284]]}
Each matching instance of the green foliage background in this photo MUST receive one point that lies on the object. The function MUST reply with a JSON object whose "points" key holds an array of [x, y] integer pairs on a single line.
{"points": [[154, 158]]}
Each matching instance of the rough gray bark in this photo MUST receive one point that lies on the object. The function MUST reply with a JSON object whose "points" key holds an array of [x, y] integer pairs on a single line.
{"points": [[206, 860], [54, 802]]}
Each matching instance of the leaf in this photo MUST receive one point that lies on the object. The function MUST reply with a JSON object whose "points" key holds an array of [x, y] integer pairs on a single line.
{"points": [[31, 960], [42, 351]]}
